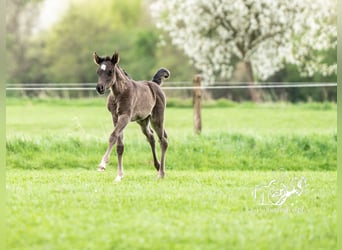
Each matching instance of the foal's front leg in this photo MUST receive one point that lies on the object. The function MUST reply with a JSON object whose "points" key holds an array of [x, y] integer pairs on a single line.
{"points": [[122, 122]]}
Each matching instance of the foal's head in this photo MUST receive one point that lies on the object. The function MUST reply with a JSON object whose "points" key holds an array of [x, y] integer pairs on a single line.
{"points": [[106, 71]]}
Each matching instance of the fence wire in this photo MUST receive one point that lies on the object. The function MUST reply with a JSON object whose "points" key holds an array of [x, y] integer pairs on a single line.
{"points": [[216, 85]]}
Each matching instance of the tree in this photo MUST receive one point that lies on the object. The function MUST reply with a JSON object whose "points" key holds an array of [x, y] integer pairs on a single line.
{"points": [[264, 34], [111, 25], [21, 17]]}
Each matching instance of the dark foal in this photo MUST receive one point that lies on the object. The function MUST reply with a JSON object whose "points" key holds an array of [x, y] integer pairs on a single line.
{"points": [[140, 101]]}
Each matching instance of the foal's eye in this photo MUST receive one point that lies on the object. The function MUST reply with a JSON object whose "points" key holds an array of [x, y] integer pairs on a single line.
{"points": [[110, 73]]}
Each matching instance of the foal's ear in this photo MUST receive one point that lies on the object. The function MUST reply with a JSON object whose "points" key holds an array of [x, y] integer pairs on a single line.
{"points": [[97, 60], [115, 58]]}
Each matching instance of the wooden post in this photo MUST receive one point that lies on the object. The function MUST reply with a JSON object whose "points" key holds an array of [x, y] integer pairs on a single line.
{"points": [[197, 97]]}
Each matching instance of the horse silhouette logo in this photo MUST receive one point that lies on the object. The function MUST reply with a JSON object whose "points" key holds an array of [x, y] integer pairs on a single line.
{"points": [[277, 191]]}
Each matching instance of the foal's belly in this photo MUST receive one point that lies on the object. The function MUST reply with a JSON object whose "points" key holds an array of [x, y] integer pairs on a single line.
{"points": [[143, 104], [140, 115]]}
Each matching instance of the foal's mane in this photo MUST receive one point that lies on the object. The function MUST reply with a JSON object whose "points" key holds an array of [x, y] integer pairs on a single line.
{"points": [[122, 73]]}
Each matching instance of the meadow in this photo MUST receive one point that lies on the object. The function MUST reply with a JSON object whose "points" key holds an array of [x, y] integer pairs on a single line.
{"points": [[57, 200]]}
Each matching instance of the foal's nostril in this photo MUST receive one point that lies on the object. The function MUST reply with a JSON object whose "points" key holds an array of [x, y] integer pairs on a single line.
{"points": [[99, 88]]}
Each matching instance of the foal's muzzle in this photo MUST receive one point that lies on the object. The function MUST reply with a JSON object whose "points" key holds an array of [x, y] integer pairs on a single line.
{"points": [[100, 89]]}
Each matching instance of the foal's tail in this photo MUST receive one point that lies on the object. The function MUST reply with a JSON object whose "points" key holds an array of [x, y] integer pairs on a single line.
{"points": [[160, 75]]}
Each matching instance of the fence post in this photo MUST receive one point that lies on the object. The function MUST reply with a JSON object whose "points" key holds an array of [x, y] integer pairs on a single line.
{"points": [[197, 96]]}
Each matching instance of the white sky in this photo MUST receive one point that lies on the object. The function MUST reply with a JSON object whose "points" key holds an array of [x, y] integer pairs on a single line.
{"points": [[50, 13]]}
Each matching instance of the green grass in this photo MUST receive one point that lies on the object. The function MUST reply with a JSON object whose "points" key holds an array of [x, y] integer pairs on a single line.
{"points": [[90, 118], [57, 200], [208, 152], [82, 209], [246, 137]]}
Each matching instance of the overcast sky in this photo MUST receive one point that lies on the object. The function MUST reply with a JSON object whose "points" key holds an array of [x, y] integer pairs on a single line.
{"points": [[51, 12]]}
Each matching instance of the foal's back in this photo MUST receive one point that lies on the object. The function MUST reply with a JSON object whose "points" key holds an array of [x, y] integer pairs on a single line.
{"points": [[139, 99]]}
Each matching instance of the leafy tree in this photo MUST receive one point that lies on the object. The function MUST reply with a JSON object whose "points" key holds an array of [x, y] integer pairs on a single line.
{"points": [[112, 25], [105, 27], [263, 34], [63, 53], [21, 17], [142, 58]]}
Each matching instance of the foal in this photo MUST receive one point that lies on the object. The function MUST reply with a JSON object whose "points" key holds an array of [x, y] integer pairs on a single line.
{"points": [[140, 101]]}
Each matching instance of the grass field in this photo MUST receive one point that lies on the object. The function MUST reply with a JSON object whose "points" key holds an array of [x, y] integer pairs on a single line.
{"points": [[56, 199]]}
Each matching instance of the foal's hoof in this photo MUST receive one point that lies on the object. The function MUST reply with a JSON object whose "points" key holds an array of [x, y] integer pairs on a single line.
{"points": [[101, 169], [161, 176], [118, 179]]}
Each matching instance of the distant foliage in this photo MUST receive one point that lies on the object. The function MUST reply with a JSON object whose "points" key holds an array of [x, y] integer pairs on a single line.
{"points": [[216, 34], [21, 17], [63, 52]]}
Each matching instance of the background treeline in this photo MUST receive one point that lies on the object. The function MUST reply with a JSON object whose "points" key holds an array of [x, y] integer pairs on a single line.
{"points": [[63, 53]]}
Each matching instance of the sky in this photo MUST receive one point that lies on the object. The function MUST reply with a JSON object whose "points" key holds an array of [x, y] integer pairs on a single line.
{"points": [[50, 13]]}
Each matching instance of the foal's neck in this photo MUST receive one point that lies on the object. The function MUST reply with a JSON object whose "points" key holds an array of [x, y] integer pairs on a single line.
{"points": [[121, 81], [120, 74]]}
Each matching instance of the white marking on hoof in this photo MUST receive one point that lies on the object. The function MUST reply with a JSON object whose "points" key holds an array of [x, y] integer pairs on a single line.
{"points": [[118, 178], [101, 169], [102, 166]]}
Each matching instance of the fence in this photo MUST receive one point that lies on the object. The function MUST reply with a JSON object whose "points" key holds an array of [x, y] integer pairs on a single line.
{"points": [[278, 91], [271, 91]]}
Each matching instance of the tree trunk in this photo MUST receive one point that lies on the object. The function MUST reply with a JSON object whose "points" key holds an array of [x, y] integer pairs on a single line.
{"points": [[197, 96], [324, 94], [254, 92]]}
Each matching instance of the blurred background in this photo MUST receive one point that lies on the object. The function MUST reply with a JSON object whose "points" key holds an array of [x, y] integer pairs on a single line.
{"points": [[51, 42]]}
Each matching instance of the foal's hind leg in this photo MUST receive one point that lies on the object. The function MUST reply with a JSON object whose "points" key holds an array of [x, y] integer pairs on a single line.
{"points": [[119, 151], [145, 128], [158, 126]]}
